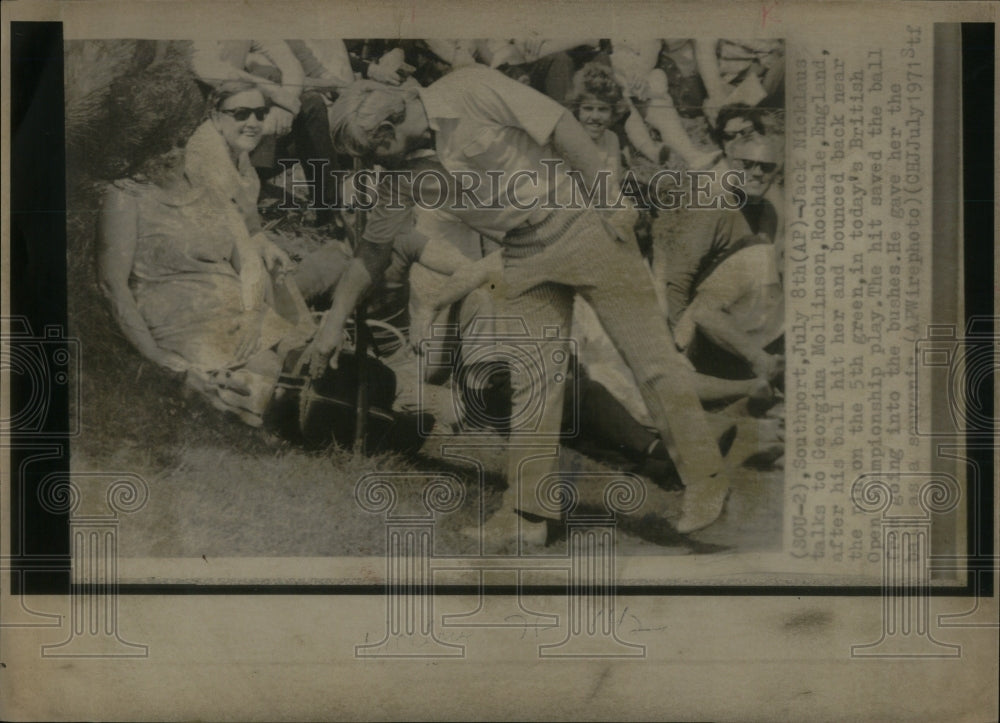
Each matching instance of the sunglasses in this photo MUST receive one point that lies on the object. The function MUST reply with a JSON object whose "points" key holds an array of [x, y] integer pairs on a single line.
{"points": [[749, 165], [241, 114], [745, 132]]}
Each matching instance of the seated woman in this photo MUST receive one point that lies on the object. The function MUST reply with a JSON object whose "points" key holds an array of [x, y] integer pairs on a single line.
{"points": [[189, 285], [186, 281]]}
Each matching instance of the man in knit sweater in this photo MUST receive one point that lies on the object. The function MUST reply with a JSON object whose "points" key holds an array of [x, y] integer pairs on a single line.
{"points": [[470, 126]]}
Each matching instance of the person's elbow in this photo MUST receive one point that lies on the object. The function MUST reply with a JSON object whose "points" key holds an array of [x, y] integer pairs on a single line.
{"points": [[107, 274], [562, 132], [374, 259], [112, 289]]}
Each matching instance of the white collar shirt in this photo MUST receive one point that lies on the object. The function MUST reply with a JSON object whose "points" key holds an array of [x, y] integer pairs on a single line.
{"points": [[493, 133]]}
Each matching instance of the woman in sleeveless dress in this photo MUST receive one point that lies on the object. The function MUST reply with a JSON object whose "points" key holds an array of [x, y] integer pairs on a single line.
{"points": [[187, 282]]}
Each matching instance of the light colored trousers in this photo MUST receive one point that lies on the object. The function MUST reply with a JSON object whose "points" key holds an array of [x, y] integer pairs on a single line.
{"points": [[610, 275]]}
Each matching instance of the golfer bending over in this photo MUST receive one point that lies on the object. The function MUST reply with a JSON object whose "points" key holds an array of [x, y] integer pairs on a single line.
{"points": [[463, 130]]}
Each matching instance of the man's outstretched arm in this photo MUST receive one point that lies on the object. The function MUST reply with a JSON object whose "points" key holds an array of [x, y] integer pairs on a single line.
{"points": [[370, 262], [576, 147]]}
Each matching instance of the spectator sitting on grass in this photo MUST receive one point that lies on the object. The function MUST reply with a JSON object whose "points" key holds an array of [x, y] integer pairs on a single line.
{"points": [[187, 282]]}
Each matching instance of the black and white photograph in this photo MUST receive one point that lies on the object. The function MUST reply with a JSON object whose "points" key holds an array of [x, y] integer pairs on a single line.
{"points": [[234, 207], [440, 360]]}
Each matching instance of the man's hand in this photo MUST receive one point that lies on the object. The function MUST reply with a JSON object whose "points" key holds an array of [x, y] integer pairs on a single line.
{"points": [[352, 285], [323, 351], [621, 222], [170, 360], [273, 256], [280, 120]]}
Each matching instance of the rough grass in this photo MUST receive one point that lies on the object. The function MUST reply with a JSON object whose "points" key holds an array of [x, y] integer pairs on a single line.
{"points": [[222, 489]]}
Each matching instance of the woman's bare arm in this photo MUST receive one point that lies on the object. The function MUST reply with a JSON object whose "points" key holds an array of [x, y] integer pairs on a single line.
{"points": [[117, 235]]}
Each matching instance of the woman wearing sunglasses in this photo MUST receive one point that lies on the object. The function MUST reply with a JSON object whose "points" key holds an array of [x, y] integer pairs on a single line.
{"points": [[218, 154]]}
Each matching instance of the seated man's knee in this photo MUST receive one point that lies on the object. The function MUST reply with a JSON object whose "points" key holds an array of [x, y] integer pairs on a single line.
{"points": [[313, 105], [318, 274]]}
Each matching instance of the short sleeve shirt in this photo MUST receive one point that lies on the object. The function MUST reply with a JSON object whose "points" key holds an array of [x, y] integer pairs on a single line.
{"points": [[493, 134], [486, 123], [746, 286], [406, 250], [690, 245]]}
